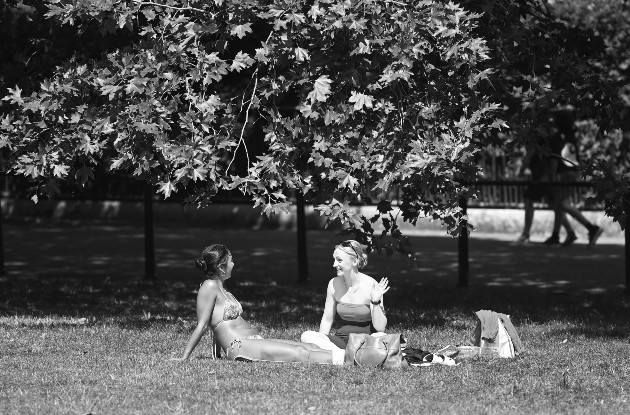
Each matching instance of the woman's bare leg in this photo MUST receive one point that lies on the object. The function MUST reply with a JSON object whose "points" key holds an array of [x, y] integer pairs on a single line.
{"points": [[320, 340], [309, 345], [275, 350], [529, 216], [568, 207]]}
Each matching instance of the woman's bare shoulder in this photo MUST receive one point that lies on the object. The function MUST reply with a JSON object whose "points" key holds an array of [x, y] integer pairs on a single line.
{"points": [[336, 281], [208, 288], [335, 284]]}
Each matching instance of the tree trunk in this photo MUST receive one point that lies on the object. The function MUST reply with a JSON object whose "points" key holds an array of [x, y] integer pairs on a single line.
{"points": [[4, 191], [2, 270], [463, 246], [627, 249], [301, 238], [149, 249]]}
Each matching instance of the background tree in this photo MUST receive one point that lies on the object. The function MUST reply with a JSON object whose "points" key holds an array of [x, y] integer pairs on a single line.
{"points": [[548, 55], [606, 138]]}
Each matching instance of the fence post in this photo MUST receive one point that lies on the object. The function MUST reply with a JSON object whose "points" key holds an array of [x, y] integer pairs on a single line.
{"points": [[627, 248], [301, 238], [463, 245], [3, 192], [149, 249], [2, 270]]}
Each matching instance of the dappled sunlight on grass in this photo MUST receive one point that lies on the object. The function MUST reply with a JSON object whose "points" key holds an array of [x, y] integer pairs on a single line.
{"points": [[96, 272]]}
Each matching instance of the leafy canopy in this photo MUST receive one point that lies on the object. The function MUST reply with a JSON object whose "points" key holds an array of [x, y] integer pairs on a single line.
{"points": [[370, 100], [387, 97]]}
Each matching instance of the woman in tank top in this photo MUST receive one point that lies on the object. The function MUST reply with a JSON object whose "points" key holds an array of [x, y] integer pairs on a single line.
{"points": [[234, 338], [353, 299]]}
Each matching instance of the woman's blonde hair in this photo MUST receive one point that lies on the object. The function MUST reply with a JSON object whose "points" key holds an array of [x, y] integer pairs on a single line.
{"points": [[354, 248]]}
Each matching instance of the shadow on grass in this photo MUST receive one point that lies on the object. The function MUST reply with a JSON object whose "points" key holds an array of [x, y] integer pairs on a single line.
{"points": [[95, 272]]}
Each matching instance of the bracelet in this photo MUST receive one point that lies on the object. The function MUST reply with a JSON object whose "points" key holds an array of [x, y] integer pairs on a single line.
{"points": [[375, 302]]}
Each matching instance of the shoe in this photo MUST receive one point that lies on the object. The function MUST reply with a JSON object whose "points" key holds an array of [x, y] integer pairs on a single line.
{"points": [[448, 351], [593, 236], [569, 240], [522, 240], [415, 357], [433, 358], [552, 240], [403, 343]]}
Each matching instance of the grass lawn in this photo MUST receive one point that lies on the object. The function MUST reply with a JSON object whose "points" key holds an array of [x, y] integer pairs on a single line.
{"points": [[81, 332]]}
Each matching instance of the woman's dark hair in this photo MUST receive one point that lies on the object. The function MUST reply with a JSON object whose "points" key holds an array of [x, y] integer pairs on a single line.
{"points": [[212, 259]]}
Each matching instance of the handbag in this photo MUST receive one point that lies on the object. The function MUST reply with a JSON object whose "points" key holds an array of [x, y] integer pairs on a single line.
{"points": [[370, 351]]}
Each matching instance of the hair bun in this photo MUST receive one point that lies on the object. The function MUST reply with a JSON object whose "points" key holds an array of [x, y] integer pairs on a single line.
{"points": [[363, 260], [201, 264]]}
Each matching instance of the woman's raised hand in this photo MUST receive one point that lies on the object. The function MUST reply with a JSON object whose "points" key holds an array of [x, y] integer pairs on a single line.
{"points": [[379, 289]]}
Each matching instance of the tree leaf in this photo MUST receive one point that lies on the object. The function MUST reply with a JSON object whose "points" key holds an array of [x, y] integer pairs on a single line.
{"points": [[84, 174], [60, 171], [360, 100], [240, 30], [241, 61], [167, 188], [321, 89], [15, 97], [199, 173], [349, 182], [301, 54]]}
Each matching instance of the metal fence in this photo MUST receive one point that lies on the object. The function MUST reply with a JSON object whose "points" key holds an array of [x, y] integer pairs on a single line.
{"points": [[499, 188], [502, 188]]}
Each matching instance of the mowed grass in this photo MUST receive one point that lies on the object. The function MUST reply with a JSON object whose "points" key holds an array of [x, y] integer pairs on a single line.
{"points": [[81, 332]]}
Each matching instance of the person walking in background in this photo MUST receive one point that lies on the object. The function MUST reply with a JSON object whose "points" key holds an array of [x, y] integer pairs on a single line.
{"points": [[564, 164], [535, 167]]}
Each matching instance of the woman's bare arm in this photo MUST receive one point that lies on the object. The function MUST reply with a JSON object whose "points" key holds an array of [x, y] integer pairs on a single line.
{"points": [[206, 299], [379, 320], [329, 310]]}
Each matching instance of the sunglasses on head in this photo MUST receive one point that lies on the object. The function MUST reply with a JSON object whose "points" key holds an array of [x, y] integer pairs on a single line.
{"points": [[348, 244]]}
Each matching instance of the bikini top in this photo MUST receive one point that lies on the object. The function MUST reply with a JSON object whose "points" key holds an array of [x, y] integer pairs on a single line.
{"points": [[354, 312], [231, 308]]}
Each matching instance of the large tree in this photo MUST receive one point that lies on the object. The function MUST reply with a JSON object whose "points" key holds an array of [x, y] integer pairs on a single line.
{"points": [[357, 99], [386, 95]]}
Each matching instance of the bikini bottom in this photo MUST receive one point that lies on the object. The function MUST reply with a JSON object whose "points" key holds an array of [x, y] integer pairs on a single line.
{"points": [[241, 349]]}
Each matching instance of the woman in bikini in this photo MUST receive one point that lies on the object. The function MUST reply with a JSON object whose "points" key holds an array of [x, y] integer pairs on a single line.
{"points": [[355, 298], [234, 338]]}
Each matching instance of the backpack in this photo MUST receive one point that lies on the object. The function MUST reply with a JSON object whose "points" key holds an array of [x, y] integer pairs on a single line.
{"points": [[495, 336]]}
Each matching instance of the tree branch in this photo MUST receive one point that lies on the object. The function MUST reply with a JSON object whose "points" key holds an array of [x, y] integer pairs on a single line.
{"points": [[150, 3], [240, 139]]}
